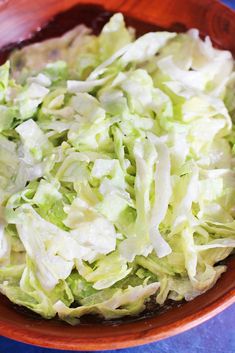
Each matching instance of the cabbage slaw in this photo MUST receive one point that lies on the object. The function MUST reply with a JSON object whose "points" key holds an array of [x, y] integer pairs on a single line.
{"points": [[117, 171]]}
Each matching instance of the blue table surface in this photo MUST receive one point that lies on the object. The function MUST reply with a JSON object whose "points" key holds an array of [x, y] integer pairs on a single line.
{"points": [[214, 336]]}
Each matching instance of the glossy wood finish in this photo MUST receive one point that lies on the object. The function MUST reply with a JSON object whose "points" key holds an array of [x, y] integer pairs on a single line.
{"points": [[19, 19]]}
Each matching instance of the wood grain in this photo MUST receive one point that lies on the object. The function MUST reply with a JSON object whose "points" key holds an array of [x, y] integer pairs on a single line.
{"points": [[19, 19]]}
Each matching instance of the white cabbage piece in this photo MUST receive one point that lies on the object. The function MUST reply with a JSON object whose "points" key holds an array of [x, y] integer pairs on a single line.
{"points": [[117, 179]]}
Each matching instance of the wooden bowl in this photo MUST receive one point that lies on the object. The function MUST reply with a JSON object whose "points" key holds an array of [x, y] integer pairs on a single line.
{"points": [[19, 19]]}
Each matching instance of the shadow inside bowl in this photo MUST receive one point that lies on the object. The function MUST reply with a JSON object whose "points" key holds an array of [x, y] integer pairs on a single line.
{"points": [[154, 317], [93, 16]]}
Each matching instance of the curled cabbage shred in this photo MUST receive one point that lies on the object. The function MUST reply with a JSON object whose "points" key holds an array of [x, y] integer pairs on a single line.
{"points": [[117, 173]]}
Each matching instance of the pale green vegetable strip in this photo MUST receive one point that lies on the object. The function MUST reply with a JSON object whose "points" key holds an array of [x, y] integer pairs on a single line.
{"points": [[117, 171]]}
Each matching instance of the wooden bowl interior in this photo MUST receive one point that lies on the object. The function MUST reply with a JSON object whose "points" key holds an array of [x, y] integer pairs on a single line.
{"points": [[20, 21]]}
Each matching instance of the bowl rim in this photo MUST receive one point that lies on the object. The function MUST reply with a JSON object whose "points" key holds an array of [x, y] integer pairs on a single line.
{"points": [[134, 339], [148, 334]]}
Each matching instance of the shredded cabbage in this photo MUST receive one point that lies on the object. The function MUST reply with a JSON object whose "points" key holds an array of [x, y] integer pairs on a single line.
{"points": [[117, 179]]}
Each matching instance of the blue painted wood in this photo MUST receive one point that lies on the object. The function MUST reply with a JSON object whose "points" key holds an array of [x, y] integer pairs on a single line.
{"points": [[215, 336]]}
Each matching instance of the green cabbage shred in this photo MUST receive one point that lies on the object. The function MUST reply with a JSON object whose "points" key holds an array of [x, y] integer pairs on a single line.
{"points": [[117, 171]]}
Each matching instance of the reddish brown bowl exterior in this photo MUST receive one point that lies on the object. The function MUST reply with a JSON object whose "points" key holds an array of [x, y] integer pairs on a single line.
{"points": [[18, 19]]}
